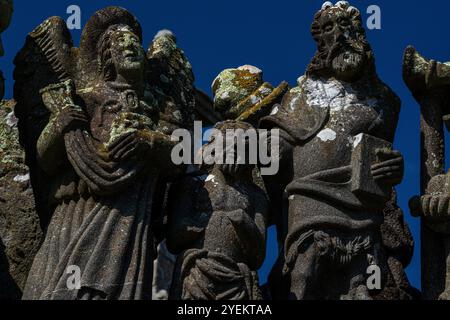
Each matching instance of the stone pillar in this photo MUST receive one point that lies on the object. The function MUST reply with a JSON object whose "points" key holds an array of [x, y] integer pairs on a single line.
{"points": [[429, 82]]}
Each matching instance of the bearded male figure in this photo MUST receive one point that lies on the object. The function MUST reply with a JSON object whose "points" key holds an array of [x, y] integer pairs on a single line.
{"points": [[88, 119], [337, 164]]}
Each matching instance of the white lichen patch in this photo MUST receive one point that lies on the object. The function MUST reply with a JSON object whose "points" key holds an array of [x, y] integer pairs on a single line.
{"points": [[212, 178], [274, 110], [163, 33], [255, 99], [357, 140], [225, 95], [11, 120], [22, 177], [251, 69], [327, 135], [123, 29], [327, 5], [336, 94]]}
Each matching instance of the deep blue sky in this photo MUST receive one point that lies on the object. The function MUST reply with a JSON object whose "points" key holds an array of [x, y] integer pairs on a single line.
{"points": [[273, 35]]}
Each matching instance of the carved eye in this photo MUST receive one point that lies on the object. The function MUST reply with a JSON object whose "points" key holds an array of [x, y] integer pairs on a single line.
{"points": [[328, 27]]}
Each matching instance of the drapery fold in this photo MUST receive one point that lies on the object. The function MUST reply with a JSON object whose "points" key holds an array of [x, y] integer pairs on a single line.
{"points": [[106, 234]]}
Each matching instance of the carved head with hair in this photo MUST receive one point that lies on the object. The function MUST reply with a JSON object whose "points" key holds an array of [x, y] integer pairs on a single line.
{"points": [[342, 49], [120, 53]]}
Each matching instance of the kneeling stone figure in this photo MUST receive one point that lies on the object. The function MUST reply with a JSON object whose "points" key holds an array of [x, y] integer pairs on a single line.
{"points": [[218, 225]]}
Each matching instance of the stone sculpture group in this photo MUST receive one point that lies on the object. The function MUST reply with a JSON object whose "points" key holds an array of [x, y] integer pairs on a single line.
{"points": [[96, 123]]}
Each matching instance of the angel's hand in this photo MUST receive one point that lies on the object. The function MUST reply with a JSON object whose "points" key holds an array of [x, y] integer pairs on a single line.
{"points": [[155, 142], [124, 147], [70, 118]]}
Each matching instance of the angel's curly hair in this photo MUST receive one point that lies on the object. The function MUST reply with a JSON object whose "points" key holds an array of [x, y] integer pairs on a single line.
{"points": [[105, 63]]}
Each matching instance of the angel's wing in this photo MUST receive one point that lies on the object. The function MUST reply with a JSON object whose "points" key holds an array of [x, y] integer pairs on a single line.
{"points": [[171, 77], [204, 110], [46, 58]]}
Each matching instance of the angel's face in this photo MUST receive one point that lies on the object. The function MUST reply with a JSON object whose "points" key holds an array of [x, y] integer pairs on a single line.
{"points": [[127, 52]]}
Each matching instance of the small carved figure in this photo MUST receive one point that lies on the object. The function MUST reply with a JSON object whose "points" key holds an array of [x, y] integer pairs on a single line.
{"points": [[337, 164], [217, 225], [89, 121]]}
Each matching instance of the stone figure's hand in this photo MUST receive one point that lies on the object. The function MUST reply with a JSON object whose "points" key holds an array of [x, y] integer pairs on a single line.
{"points": [[124, 147], [390, 167], [70, 118], [138, 142], [434, 206], [155, 141]]}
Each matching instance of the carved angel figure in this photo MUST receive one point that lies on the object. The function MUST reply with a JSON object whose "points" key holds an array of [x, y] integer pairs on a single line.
{"points": [[89, 120]]}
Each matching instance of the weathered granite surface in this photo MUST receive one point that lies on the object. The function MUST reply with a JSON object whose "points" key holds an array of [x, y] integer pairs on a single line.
{"points": [[20, 232]]}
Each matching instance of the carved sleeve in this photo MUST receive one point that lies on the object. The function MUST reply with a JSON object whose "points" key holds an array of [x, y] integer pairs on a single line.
{"points": [[51, 152]]}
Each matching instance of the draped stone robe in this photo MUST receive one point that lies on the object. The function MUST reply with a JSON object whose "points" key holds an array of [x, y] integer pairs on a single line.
{"points": [[318, 122], [101, 224], [218, 228]]}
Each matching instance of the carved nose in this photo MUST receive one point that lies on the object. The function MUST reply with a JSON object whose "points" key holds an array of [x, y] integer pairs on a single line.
{"points": [[339, 36]]}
